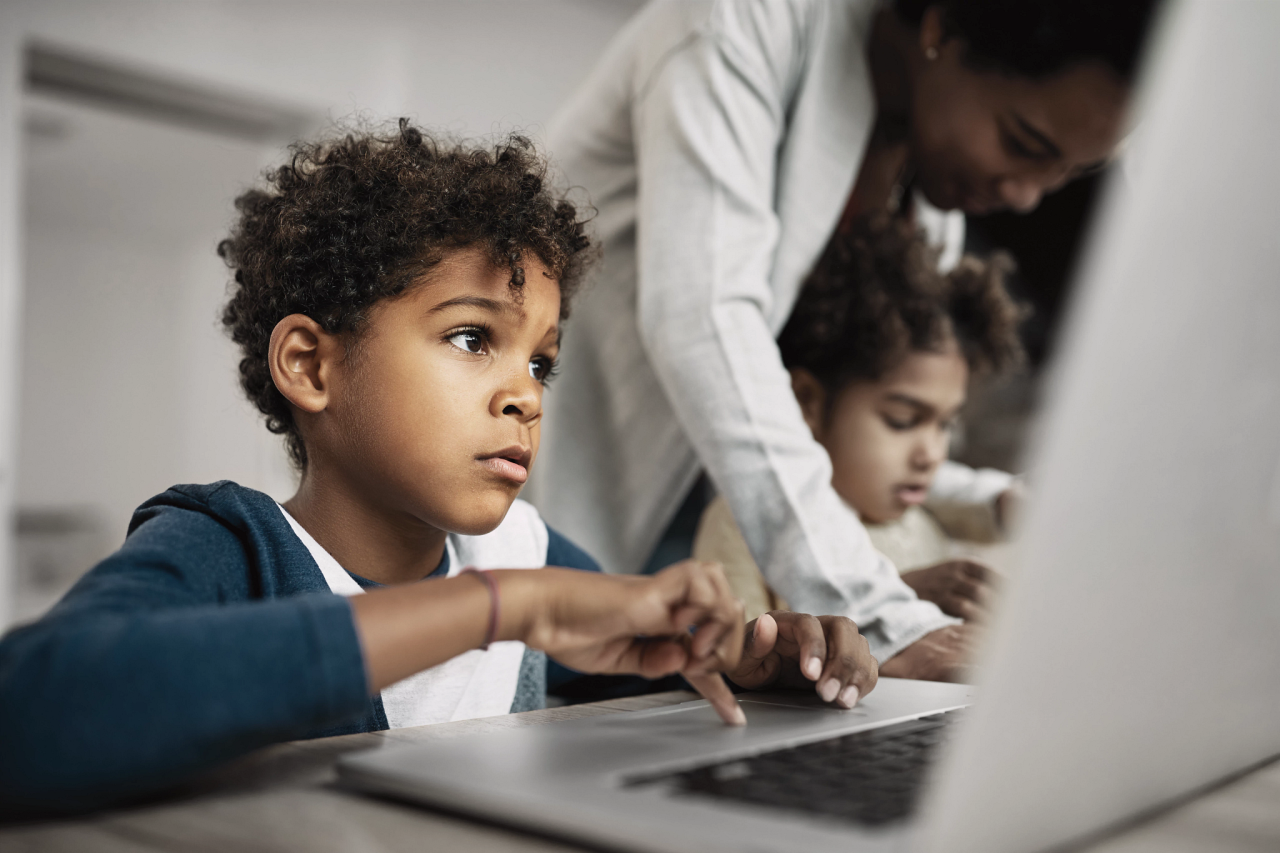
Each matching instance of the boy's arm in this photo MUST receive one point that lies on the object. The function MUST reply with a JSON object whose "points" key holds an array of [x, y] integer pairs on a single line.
{"points": [[142, 675]]}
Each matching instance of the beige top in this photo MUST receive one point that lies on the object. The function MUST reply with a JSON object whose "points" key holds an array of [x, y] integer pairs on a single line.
{"points": [[911, 542]]}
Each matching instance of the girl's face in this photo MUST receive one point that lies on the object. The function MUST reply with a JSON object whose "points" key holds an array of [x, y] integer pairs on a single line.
{"points": [[887, 438], [983, 141]]}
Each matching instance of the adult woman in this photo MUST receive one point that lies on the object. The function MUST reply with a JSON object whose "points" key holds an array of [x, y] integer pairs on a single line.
{"points": [[722, 143]]}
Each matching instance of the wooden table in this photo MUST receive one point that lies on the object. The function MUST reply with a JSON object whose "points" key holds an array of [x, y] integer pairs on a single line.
{"points": [[284, 799]]}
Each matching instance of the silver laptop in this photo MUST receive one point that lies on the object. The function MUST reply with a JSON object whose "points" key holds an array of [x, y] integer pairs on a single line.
{"points": [[1135, 658]]}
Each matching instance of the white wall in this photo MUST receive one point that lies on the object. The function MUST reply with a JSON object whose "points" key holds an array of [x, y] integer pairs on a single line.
{"points": [[470, 65], [127, 382], [10, 293]]}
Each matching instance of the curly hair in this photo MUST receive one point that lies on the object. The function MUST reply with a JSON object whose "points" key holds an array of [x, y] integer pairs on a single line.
{"points": [[876, 295], [360, 217], [1037, 38]]}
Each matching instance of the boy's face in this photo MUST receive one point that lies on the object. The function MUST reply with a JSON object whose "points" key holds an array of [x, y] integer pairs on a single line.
{"points": [[887, 438], [435, 416]]}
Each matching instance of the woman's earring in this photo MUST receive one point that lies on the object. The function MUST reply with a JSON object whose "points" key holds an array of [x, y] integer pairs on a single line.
{"points": [[931, 53]]}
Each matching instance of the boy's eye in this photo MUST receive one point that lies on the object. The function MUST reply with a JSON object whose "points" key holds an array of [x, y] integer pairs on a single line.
{"points": [[468, 341], [899, 424], [542, 369]]}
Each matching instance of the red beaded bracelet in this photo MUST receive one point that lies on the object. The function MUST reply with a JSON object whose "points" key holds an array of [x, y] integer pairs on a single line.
{"points": [[489, 582]]}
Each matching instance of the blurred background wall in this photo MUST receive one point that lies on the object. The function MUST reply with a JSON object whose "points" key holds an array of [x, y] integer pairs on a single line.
{"points": [[126, 129]]}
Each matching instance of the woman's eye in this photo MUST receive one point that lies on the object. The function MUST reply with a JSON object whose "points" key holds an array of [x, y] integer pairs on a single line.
{"points": [[1017, 148], [542, 369], [469, 341], [1020, 149]]}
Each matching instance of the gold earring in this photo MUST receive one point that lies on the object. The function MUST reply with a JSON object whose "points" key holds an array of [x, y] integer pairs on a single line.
{"points": [[931, 53]]}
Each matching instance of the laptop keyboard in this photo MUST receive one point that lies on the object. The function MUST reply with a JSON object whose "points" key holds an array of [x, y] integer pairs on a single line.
{"points": [[871, 777]]}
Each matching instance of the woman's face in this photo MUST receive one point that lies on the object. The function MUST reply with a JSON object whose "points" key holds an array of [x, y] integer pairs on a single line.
{"points": [[983, 141]]}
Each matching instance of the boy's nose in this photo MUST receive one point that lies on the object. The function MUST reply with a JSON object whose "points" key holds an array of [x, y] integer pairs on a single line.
{"points": [[520, 398]]}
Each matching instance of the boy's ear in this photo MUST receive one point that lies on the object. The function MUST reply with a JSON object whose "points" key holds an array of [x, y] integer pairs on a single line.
{"points": [[301, 357], [812, 398]]}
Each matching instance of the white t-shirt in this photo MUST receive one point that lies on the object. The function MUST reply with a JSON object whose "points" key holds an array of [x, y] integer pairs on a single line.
{"points": [[475, 683]]}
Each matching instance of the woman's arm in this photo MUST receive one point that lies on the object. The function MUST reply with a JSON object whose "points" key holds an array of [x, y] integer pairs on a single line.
{"points": [[709, 128]]}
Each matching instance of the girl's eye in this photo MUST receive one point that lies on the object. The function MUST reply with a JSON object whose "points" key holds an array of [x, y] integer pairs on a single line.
{"points": [[468, 341], [542, 369]]}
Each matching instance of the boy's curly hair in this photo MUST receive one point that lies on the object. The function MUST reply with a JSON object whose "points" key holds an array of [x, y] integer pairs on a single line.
{"points": [[358, 218], [876, 295]]}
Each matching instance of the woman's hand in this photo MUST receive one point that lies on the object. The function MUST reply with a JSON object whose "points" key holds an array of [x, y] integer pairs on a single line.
{"points": [[632, 624], [962, 588], [796, 650]]}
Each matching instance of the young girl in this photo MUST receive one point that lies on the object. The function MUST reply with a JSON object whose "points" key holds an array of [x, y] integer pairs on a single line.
{"points": [[397, 301], [881, 347]]}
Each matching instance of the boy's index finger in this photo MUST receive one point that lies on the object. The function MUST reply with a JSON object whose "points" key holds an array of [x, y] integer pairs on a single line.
{"points": [[719, 696]]}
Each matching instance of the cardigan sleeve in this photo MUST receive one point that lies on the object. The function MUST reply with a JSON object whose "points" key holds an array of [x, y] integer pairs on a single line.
{"points": [[709, 124], [159, 664]]}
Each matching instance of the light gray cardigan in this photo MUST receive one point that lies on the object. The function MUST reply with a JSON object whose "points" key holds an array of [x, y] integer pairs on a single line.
{"points": [[719, 142]]}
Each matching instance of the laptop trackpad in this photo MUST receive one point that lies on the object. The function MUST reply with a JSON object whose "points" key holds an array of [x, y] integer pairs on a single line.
{"points": [[768, 722]]}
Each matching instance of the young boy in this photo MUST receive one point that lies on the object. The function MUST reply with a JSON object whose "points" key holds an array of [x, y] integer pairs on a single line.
{"points": [[397, 303], [881, 347]]}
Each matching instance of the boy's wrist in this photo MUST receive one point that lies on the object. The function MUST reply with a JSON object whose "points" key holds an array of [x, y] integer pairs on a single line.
{"points": [[518, 606]]}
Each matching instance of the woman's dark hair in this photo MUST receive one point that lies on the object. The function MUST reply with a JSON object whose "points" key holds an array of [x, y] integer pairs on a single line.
{"points": [[1037, 38], [360, 217], [876, 295]]}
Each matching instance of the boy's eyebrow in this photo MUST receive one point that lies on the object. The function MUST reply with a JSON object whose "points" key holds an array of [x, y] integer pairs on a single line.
{"points": [[494, 305]]}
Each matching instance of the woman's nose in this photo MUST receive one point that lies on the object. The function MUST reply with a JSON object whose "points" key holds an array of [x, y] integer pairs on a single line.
{"points": [[1021, 194]]}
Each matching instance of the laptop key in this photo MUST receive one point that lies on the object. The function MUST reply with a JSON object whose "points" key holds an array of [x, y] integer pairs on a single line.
{"points": [[870, 777]]}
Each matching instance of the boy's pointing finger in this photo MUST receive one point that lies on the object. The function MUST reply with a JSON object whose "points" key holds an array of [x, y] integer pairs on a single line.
{"points": [[720, 697]]}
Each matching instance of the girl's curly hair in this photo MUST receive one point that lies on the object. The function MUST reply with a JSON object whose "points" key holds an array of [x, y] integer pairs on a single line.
{"points": [[359, 218], [876, 295]]}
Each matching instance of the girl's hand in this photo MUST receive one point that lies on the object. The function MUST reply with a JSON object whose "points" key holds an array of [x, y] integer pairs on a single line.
{"points": [[944, 655], [633, 624], [962, 588], [797, 650]]}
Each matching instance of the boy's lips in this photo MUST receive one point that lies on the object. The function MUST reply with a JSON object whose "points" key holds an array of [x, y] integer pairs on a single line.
{"points": [[511, 463]]}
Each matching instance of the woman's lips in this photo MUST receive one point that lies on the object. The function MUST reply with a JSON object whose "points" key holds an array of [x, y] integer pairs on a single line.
{"points": [[976, 206]]}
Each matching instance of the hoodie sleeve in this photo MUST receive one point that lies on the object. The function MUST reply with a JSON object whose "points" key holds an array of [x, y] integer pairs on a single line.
{"points": [[164, 661]]}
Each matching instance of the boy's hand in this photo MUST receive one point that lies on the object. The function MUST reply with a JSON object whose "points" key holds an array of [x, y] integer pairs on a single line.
{"points": [[944, 655], [636, 625], [796, 650], [962, 588]]}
